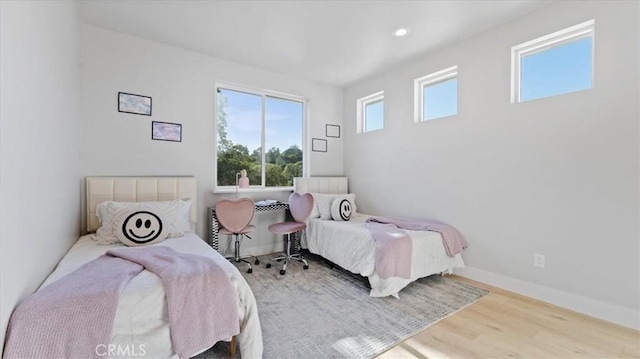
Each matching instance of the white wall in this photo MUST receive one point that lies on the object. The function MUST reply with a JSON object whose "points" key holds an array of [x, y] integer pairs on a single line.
{"points": [[39, 148], [556, 176], [181, 84]]}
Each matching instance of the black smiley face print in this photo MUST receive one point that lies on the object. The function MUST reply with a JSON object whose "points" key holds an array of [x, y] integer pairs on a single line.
{"points": [[142, 227], [345, 210]]}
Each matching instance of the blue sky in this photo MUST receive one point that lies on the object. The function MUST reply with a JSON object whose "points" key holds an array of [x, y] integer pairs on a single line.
{"points": [[561, 69], [374, 116], [440, 99], [244, 120], [284, 123]]}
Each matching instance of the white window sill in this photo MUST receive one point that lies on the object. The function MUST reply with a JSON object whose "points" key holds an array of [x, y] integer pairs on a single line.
{"points": [[252, 189]]}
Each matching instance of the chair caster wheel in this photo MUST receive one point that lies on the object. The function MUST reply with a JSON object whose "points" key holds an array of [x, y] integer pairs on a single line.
{"points": [[257, 261], [306, 266], [268, 265], [282, 272], [250, 270]]}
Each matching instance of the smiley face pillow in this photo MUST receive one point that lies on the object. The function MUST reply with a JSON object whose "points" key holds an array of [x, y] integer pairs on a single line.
{"points": [[342, 208], [140, 227]]}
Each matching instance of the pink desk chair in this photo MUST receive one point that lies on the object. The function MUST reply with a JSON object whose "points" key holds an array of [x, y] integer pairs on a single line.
{"points": [[300, 206], [234, 217]]}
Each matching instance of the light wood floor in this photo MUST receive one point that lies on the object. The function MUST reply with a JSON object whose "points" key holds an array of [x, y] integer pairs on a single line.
{"points": [[507, 325]]}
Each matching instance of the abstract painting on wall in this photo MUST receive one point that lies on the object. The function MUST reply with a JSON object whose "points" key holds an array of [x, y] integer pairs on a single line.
{"points": [[166, 131], [136, 104]]}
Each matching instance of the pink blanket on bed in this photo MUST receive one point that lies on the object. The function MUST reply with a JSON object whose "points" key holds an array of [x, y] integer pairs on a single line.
{"points": [[393, 247], [452, 239], [393, 250], [73, 316]]}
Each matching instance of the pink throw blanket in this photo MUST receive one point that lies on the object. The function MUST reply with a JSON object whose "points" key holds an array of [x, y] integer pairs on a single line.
{"points": [[71, 317], [393, 246], [393, 250]]}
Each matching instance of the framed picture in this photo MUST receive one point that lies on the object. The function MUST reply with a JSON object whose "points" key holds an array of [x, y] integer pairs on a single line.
{"points": [[166, 131], [318, 145], [332, 131], [136, 104]]}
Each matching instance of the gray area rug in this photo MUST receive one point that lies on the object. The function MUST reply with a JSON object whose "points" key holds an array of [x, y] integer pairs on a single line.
{"points": [[328, 313]]}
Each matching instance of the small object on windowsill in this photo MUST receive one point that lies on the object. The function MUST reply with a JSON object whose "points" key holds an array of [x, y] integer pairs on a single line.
{"points": [[243, 182], [266, 202]]}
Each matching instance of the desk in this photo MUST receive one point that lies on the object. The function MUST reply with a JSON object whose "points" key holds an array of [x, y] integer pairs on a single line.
{"points": [[214, 227]]}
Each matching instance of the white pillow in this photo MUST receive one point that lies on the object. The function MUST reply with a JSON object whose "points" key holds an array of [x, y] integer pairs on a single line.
{"points": [[323, 203], [342, 208], [175, 214], [140, 227]]}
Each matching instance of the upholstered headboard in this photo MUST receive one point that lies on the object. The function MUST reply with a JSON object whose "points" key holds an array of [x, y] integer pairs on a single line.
{"points": [[138, 189], [337, 185]]}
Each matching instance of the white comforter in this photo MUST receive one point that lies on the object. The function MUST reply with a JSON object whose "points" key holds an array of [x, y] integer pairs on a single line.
{"points": [[142, 317], [349, 245]]}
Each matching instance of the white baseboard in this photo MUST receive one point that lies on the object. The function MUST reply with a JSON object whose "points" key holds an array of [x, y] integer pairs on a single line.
{"points": [[610, 312]]}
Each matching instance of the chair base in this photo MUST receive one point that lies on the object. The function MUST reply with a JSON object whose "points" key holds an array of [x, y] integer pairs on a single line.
{"points": [[243, 259], [237, 258], [288, 257]]}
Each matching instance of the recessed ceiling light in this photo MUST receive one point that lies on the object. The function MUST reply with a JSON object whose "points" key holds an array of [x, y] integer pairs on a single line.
{"points": [[403, 31]]}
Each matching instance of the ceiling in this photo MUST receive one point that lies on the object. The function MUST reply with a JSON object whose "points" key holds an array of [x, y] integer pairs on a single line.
{"points": [[332, 42]]}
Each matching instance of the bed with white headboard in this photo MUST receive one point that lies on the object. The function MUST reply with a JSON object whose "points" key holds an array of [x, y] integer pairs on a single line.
{"points": [[142, 316], [350, 245], [138, 189]]}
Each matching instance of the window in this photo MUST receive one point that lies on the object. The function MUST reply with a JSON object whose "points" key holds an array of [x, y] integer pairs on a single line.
{"points": [[260, 132], [554, 64], [436, 95], [371, 112]]}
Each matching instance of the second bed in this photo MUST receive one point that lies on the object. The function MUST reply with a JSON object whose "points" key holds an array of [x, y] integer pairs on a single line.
{"points": [[349, 244]]}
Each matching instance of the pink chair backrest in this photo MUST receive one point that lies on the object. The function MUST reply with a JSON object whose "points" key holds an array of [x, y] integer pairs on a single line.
{"points": [[300, 206], [235, 215]]}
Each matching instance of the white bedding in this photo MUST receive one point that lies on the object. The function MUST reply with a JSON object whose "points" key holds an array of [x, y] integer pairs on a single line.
{"points": [[142, 316], [349, 245]]}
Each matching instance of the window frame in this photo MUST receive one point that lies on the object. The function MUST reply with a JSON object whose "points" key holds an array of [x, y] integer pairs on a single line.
{"points": [[361, 104], [546, 42], [421, 83], [263, 93]]}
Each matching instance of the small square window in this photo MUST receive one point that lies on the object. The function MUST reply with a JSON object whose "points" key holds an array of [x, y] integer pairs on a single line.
{"points": [[370, 112], [554, 64], [436, 95]]}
